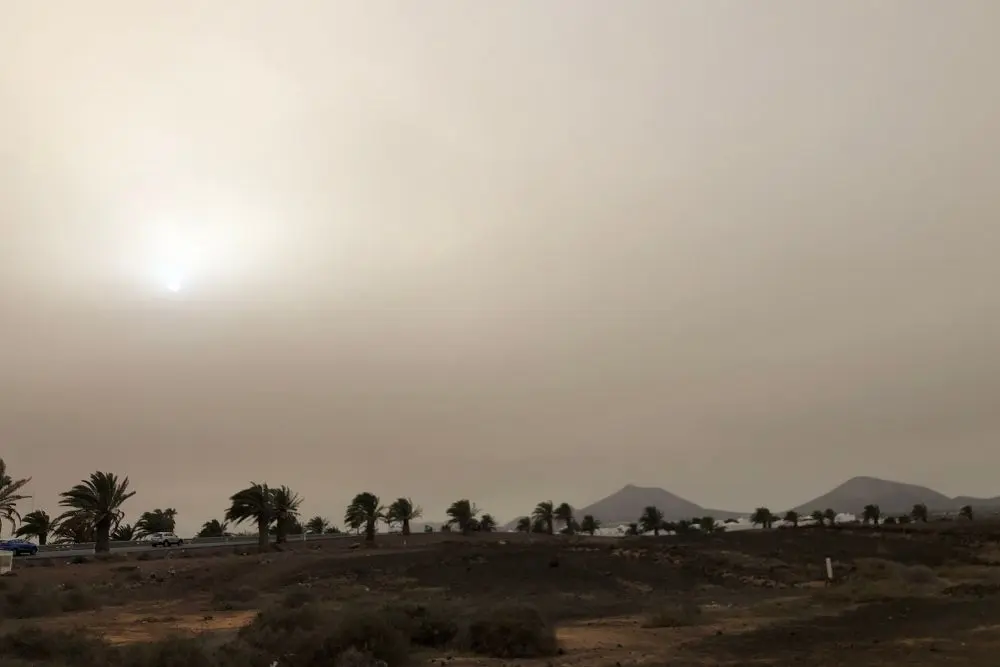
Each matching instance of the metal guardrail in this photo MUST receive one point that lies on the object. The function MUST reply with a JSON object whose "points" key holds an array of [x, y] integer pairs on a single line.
{"points": [[199, 541]]}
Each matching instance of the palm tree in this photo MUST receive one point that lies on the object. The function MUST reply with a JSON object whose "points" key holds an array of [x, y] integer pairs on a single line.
{"points": [[651, 520], [545, 513], [871, 514], [157, 521], [333, 530], [213, 528], [354, 521], [403, 511], [124, 532], [9, 497], [99, 499], [590, 524], [317, 525], [817, 516], [487, 523], [762, 517], [462, 513], [73, 528], [286, 512], [709, 525], [290, 526], [254, 503], [633, 529], [37, 524], [539, 526], [830, 516], [365, 510], [965, 513], [564, 513], [524, 525], [792, 517], [919, 512]]}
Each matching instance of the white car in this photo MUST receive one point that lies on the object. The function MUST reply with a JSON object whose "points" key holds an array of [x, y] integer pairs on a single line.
{"points": [[164, 540]]}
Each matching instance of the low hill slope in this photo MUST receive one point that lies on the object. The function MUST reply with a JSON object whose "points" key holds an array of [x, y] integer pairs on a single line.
{"points": [[891, 497], [626, 504]]}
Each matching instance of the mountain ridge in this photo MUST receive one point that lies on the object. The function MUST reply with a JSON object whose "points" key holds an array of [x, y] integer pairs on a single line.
{"points": [[891, 496], [627, 504]]}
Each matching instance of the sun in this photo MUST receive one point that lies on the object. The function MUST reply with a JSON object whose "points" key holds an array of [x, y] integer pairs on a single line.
{"points": [[186, 257], [177, 261]]}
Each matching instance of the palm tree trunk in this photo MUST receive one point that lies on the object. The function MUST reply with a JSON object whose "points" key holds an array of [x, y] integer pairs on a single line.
{"points": [[550, 524], [262, 536], [42, 539], [406, 526], [370, 531], [279, 532], [102, 541]]}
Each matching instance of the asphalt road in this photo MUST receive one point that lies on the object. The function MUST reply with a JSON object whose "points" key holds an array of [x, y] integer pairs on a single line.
{"points": [[88, 550]]}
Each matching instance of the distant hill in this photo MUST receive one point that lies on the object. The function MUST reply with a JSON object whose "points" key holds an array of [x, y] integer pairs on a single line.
{"points": [[984, 503], [891, 497], [626, 505]]}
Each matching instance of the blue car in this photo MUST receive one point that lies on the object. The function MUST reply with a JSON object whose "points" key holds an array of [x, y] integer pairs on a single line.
{"points": [[19, 547]]}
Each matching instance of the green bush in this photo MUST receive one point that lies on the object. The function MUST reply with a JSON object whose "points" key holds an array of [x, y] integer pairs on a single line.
{"points": [[513, 631]]}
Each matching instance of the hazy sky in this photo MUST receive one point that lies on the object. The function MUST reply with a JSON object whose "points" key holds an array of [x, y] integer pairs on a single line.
{"points": [[508, 251]]}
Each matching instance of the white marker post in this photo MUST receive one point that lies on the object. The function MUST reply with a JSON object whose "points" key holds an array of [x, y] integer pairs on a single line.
{"points": [[829, 570]]}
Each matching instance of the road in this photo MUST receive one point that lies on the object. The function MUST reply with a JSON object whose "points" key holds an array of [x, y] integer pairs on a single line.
{"points": [[71, 550]]}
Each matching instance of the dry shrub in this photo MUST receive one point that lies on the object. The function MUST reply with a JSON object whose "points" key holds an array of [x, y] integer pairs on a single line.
{"points": [[170, 652], [352, 657], [112, 557], [368, 632], [877, 579], [37, 646], [237, 597], [191, 652], [275, 623], [431, 626], [512, 631], [307, 635], [972, 573], [674, 615], [298, 598], [78, 599], [29, 601]]}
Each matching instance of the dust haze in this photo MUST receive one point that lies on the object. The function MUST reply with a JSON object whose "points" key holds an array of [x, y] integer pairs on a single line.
{"points": [[505, 251]]}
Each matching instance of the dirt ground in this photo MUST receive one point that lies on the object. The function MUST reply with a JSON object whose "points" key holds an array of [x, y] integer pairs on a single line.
{"points": [[919, 597]]}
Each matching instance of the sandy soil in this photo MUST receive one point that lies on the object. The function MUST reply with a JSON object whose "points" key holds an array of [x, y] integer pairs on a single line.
{"points": [[931, 597]]}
